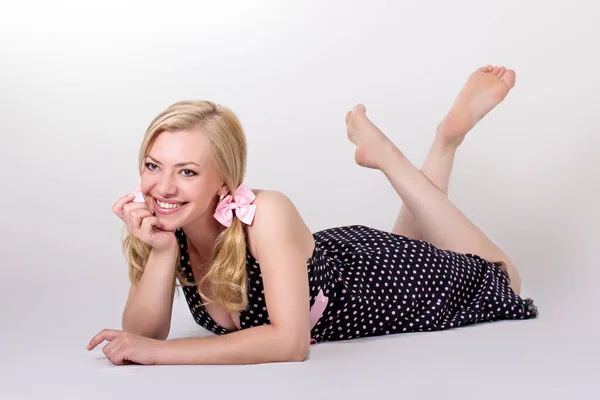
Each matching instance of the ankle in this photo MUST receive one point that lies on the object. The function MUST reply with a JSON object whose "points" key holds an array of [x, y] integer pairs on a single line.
{"points": [[447, 137], [389, 158], [442, 145]]}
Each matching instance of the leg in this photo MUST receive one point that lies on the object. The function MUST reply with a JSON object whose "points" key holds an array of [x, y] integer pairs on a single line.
{"points": [[438, 219], [478, 96], [437, 168]]}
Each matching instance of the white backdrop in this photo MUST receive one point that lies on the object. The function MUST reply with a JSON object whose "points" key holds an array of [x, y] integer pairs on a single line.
{"points": [[82, 80]]}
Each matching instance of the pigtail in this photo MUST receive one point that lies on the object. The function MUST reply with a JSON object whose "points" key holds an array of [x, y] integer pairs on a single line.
{"points": [[227, 274]]}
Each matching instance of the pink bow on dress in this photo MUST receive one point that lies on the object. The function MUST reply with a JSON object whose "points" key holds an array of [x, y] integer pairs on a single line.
{"points": [[244, 209]]}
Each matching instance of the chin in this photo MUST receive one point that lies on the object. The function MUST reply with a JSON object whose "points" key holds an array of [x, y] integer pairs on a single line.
{"points": [[169, 226]]}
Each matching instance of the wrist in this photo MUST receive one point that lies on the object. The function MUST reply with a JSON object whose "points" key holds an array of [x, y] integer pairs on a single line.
{"points": [[160, 350], [164, 256], [170, 250]]}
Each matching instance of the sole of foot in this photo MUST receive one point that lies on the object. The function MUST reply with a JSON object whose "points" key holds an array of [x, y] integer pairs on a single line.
{"points": [[484, 90]]}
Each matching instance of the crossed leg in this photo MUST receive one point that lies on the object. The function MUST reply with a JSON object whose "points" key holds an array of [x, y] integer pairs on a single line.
{"points": [[428, 214]]}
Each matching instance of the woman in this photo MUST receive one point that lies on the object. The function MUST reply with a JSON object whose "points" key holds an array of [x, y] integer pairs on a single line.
{"points": [[253, 273]]}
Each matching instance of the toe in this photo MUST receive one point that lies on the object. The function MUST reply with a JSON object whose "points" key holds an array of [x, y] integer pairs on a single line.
{"points": [[509, 78], [348, 116], [359, 109], [495, 70], [501, 72], [487, 68]]}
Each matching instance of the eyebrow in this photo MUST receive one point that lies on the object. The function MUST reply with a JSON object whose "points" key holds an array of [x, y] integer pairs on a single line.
{"points": [[177, 165]]}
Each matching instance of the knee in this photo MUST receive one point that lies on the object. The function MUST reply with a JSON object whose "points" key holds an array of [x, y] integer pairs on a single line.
{"points": [[511, 273], [513, 276]]}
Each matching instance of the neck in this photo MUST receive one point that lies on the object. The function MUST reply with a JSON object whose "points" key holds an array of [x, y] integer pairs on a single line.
{"points": [[202, 234]]}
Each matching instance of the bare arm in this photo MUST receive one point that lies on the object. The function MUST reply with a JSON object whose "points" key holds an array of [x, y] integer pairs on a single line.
{"points": [[261, 344], [150, 304], [282, 243]]}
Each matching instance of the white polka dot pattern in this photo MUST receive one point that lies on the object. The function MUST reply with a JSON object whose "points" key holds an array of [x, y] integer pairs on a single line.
{"points": [[380, 283]]}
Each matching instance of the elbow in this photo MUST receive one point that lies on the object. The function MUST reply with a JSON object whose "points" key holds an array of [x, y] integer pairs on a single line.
{"points": [[298, 356], [161, 336], [150, 335], [297, 350], [158, 334]]}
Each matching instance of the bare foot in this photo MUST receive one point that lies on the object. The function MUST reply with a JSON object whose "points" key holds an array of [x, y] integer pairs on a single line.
{"points": [[371, 144], [484, 89]]}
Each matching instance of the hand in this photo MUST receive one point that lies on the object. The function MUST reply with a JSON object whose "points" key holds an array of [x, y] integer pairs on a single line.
{"points": [[126, 347], [142, 224]]}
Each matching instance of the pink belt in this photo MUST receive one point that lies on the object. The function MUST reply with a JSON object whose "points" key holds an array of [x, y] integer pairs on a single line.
{"points": [[316, 311]]}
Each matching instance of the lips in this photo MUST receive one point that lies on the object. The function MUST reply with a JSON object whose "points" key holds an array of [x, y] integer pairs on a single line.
{"points": [[159, 210], [168, 201]]}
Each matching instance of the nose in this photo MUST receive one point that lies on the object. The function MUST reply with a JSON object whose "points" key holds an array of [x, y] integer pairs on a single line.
{"points": [[166, 186]]}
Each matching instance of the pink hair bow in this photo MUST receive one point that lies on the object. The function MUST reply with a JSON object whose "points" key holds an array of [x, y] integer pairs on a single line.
{"points": [[139, 197], [244, 209]]}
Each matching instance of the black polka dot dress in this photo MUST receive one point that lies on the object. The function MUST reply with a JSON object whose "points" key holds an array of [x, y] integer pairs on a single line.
{"points": [[379, 283]]}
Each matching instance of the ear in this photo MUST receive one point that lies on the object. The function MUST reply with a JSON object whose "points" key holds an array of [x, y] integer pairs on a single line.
{"points": [[223, 190]]}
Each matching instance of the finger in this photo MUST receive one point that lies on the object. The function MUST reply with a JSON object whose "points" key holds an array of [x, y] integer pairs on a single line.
{"points": [[148, 225], [110, 345], [119, 357], [116, 351], [130, 208], [136, 216], [105, 334], [123, 211], [137, 221], [117, 208], [111, 349], [116, 354]]}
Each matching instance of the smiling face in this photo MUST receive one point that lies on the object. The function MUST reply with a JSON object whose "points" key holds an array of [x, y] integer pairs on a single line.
{"points": [[180, 180]]}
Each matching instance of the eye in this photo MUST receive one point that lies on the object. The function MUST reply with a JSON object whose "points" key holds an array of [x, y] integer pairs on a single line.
{"points": [[189, 170]]}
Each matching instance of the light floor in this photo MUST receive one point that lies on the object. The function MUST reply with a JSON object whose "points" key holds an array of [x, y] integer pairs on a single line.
{"points": [[554, 356]]}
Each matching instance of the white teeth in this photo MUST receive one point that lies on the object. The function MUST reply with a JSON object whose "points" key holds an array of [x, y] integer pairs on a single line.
{"points": [[168, 205]]}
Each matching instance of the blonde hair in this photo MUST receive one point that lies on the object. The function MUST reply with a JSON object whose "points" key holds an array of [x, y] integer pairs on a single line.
{"points": [[227, 273]]}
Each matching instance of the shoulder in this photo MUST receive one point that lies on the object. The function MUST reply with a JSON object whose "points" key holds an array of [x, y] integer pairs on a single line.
{"points": [[277, 220], [272, 197], [270, 203]]}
